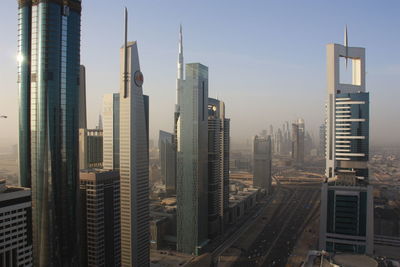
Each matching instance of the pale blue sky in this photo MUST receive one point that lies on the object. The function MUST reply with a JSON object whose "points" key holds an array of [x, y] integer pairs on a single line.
{"points": [[266, 59]]}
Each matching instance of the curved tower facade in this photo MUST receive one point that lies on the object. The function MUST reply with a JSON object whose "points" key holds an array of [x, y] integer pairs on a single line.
{"points": [[48, 79]]}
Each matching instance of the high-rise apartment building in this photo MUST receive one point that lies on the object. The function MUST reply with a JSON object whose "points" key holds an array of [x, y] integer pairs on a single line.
{"points": [[166, 146], [90, 148], [298, 142], [16, 228], [82, 98], [100, 217], [346, 198], [262, 162], [218, 166], [111, 131], [134, 159], [48, 81]]}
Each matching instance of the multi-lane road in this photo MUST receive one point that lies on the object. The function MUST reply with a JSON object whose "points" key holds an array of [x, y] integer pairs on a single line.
{"points": [[268, 237], [274, 244]]}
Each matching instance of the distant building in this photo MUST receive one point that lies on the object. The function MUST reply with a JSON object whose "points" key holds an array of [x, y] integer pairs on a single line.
{"points": [[16, 228], [218, 166], [90, 148], [346, 197], [298, 142], [168, 161], [100, 123], [322, 140], [111, 126], [100, 209], [262, 162]]}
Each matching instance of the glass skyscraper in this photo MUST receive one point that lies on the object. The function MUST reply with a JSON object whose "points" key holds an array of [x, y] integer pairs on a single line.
{"points": [[166, 147], [48, 80], [298, 134], [262, 162], [192, 161]]}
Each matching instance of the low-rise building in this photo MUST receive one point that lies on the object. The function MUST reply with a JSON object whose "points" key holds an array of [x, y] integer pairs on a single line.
{"points": [[15, 226]]}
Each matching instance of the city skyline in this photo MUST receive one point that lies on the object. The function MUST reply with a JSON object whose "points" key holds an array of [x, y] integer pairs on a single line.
{"points": [[159, 61], [302, 194]]}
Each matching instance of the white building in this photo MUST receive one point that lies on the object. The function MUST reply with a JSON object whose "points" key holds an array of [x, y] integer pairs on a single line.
{"points": [[346, 197], [134, 160], [15, 226], [111, 131]]}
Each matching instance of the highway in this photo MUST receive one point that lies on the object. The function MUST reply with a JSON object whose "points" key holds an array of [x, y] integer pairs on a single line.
{"points": [[267, 236], [232, 237], [274, 244]]}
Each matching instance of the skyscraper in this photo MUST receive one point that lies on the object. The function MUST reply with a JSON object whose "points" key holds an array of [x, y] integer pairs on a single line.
{"points": [[90, 148], [346, 198], [16, 228], [111, 131], [298, 135], [100, 209], [262, 162], [134, 159], [48, 80], [166, 146], [322, 140], [192, 164], [218, 166], [191, 126], [82, 98]]}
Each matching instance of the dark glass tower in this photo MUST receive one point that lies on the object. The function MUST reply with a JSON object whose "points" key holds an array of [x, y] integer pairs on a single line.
{"points": [[48, 79]]}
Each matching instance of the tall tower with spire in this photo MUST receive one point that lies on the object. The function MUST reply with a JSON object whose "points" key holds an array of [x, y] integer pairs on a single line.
{"points": [[179, 87], [134, 158], [191, 129], [346, 223]]}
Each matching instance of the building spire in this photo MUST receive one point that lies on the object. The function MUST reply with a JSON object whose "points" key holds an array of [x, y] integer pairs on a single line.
{"points": [[126, 55], [180, 57], [346, 44]]}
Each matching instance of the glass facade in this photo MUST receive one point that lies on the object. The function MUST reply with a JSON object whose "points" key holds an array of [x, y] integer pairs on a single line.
{"points": [[52, 87], [24, 77], [168, 161], [192, 165]]}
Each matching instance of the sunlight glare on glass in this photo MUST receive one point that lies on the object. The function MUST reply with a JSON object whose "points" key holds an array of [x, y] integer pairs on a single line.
{"points": [[20, 58]]}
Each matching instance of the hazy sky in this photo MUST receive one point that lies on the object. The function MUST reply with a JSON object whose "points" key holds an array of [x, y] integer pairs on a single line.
{"points": [[266, 59]]}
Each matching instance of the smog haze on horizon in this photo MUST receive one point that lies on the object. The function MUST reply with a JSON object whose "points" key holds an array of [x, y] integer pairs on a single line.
{"points": [[267, 60]]}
